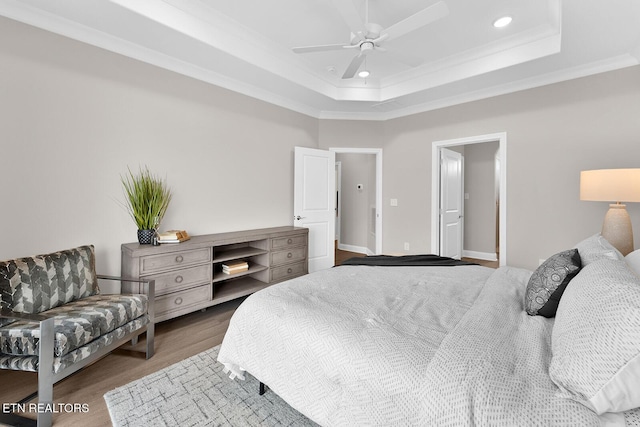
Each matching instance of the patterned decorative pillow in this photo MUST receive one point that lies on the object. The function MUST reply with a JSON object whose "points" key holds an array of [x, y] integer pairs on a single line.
{"points": [[595, 340], [35, 284], [595, 248], [549, 281]]}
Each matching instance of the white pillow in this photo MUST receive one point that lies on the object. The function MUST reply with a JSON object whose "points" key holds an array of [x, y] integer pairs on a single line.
{"points": [[595, 248], [633, 261], [595, 340]]}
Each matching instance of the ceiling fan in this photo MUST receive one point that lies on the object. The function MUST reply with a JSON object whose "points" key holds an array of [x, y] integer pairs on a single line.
{"points": [[367, 37]]}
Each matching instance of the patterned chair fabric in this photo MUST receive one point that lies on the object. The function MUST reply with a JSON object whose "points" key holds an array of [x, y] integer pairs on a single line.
{"points": [[76, 324], [39, 283], [30, 363]]}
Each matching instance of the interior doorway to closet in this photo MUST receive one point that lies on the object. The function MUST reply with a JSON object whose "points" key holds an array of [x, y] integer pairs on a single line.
{"points": [[358, 202], [479, 231]]}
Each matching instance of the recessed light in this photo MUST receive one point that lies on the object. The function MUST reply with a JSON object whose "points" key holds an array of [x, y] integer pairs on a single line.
{"points": [[502, 22], [364, 73]]}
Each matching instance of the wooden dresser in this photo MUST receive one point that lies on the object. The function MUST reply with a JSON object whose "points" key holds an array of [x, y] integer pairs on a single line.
{"points": [[189, 275]]}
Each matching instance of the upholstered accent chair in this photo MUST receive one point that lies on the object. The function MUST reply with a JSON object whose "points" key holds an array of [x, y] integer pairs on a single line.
{"points": [[54, 320]]}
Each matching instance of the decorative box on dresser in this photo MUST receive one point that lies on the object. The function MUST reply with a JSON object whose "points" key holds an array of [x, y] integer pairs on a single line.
{"points": [[189, 275]]}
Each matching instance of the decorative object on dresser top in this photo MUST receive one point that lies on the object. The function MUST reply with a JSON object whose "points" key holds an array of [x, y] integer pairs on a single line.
{"points": [[613, 185], [173, 236], [447, 346], [196, 392], [190, 276], [54, 320], [147, 198]]}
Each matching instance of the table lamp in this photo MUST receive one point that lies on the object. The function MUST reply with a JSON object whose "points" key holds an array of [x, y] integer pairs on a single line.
{"points": [[613, 185]]}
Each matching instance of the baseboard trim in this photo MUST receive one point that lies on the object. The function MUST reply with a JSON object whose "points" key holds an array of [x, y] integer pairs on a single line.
{"points": [[356, 249], [485, 256]]}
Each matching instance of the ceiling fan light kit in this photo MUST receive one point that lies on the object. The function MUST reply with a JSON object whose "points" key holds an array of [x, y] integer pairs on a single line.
{"points": [[368, 36], [502, 21]]}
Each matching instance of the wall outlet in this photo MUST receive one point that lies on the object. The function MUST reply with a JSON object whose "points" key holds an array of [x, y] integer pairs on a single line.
{"points": [[406, 246], [394, 202]]}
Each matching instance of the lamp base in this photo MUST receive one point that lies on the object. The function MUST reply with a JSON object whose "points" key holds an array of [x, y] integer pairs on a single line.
{"points": [[617, 228]]}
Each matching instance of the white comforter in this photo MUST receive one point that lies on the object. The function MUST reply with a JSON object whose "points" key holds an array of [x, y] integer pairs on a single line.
{"points": [[391, 346]]}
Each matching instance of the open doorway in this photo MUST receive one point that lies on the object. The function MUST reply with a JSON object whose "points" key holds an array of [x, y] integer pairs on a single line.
{"points": [[358, 201], [493, 188]]}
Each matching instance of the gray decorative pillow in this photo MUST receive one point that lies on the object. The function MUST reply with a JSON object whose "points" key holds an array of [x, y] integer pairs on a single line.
{"points": [[595, 340], [633, 261], [549, 281], [595, 248]]}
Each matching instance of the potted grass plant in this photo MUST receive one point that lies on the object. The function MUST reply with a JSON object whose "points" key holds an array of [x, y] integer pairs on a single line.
{"points": [[146, 199]]}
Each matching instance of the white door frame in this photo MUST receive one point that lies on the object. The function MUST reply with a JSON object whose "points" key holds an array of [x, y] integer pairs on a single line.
{"points": [[378, 154], [339, 198], [501, 137]]}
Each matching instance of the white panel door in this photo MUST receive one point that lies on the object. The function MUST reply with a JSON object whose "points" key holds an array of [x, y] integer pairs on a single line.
{"points": [[451, 203], [314, 203]]}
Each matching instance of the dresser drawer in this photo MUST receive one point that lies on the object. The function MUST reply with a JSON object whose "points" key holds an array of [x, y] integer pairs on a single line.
{"points": [[179, 301], [288, 271], [292, 255], [289, 241], [180, 279], [163, 262]]}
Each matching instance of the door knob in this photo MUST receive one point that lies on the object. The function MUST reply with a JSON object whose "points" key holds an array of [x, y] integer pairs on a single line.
{"points": [[298, 217]]}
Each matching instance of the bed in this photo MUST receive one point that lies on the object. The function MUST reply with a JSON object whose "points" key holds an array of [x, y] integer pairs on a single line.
{"points": [[448, 345]]}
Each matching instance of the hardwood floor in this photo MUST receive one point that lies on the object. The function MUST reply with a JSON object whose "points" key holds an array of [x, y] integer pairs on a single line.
{"points": [[492, 264], [342, 256], [176, 339]]}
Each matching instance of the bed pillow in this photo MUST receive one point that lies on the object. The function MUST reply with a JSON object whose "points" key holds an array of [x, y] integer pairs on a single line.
{"points": [[595, 248], [595, 340], [549, 281], [633, 261]]}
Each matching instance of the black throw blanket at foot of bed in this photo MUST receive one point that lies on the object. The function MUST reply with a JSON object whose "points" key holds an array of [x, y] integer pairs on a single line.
{"points": [[406, 261]]}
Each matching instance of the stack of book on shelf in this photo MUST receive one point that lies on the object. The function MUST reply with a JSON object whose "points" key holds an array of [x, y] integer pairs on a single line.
{"points": [[173, 236], [234, 267]]}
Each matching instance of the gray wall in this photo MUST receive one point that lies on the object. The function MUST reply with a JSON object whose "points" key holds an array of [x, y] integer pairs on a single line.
{"points": [[74, 117], [553, 133]]}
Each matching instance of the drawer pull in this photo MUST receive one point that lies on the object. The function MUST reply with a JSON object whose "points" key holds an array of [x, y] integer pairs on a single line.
{"points": [[179, 259], [289, 270], [289, 255], [178, 301], [179, 279], [289, 241]]}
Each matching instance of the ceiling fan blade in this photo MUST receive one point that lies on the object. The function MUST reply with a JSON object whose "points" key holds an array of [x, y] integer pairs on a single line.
{"points": [[418, 20], [353, 67], [350, 15], [319, 48]]}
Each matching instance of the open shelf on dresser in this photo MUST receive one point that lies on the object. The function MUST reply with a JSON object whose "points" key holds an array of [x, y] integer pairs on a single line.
{"points": [[219, 276], [236, 288]]}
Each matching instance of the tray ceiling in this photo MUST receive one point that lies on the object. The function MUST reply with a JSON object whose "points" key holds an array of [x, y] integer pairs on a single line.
{"points": [[457, 56]]}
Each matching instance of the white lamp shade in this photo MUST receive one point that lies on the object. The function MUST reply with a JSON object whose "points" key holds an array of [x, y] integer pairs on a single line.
{"points": [[610, 185]]}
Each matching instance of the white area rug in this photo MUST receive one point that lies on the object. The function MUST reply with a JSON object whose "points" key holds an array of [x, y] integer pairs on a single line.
{"points": [[195, 392]]}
